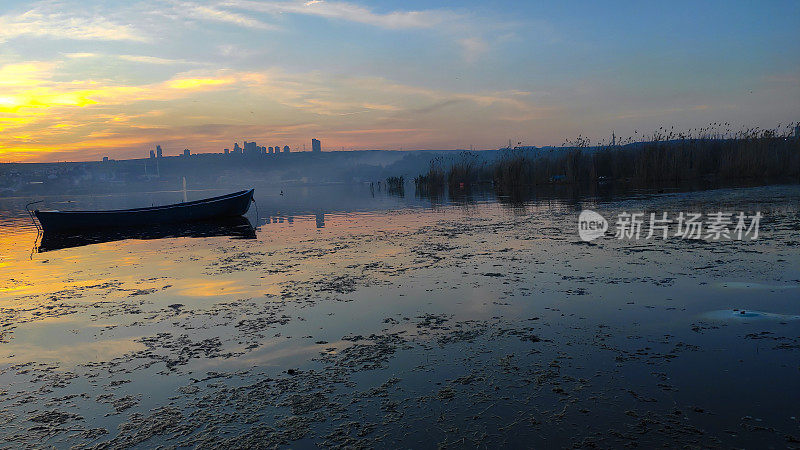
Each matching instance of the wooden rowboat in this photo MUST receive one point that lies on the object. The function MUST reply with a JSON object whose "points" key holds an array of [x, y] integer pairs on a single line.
{"points": [[231, 205]]}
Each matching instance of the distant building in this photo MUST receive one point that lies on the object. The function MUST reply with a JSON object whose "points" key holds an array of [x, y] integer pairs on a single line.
{"points": [[270, 150], [158, 151], [277, 149], [316, 145], [236, 149], [286, 149], [186, 152], [250, 148], [227, 151], [797, 131], [105, 158], [152, 154]]}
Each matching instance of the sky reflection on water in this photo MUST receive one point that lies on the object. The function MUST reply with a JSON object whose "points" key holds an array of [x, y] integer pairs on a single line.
{"points": [[400, 288]]}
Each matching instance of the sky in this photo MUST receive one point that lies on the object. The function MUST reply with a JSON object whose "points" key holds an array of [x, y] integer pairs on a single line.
{"points": [[82, 79]]}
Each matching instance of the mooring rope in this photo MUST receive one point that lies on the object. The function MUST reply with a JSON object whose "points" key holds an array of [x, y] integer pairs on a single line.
{"points": [[39, 231], [30, 213]]}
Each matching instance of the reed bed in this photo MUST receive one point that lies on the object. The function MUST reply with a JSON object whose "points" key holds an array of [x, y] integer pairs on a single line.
{"points": [[710, 153], [396, 185]]}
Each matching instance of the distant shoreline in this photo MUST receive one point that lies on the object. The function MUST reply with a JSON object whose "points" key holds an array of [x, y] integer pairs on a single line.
{"points": [[761, 158]]}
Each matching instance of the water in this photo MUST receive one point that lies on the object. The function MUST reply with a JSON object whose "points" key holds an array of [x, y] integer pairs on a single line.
{"points": [[358, 318]]}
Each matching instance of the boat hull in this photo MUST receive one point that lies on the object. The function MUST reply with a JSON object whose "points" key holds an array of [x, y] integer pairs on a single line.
{"points": [[231, 205]]}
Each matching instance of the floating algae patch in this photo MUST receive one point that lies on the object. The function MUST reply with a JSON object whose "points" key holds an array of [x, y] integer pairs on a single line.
{"points": [[748, 314], [454, 327], [754, 286]]}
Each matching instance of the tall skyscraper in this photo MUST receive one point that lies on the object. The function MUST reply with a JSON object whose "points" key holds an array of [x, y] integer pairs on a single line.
{"points": [[158, 151], [186, 152], [316, 145], [152, 154]]}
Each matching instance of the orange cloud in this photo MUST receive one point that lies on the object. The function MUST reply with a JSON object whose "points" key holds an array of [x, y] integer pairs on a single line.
{"points": [[42, 118], [199, 83]]}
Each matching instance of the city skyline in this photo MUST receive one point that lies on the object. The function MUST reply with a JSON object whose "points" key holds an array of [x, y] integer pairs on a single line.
{"points": [[82, 80]]}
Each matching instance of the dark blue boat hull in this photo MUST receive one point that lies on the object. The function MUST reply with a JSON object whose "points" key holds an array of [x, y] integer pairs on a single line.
{"points": [[231, 205]]}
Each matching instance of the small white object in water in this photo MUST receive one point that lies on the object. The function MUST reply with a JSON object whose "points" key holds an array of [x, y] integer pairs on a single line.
{"points": [[743, 314]]}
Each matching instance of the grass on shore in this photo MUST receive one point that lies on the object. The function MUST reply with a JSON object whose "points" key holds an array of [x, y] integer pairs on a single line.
{"points": [[666, 156]]}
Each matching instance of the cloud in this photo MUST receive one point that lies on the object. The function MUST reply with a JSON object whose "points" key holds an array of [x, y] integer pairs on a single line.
{"points": [[383, 131], [153, 60], [206, 12], [82, 55], [26, 74], [199, 83], [143, 59], [43, 117], [349, 12], [439, 105], [238, 52], [29, 88], [473, 48], [38, 22], [462, 28]]}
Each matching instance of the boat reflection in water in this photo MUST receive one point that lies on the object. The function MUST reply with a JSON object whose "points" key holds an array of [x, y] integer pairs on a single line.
{"points": [[234, 227]]}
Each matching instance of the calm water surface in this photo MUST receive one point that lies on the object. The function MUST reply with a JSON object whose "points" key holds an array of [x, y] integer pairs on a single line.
{"points": [[356, 318]]}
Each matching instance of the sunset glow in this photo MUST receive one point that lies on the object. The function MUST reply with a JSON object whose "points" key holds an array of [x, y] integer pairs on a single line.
{"points": [[80, 80]]}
